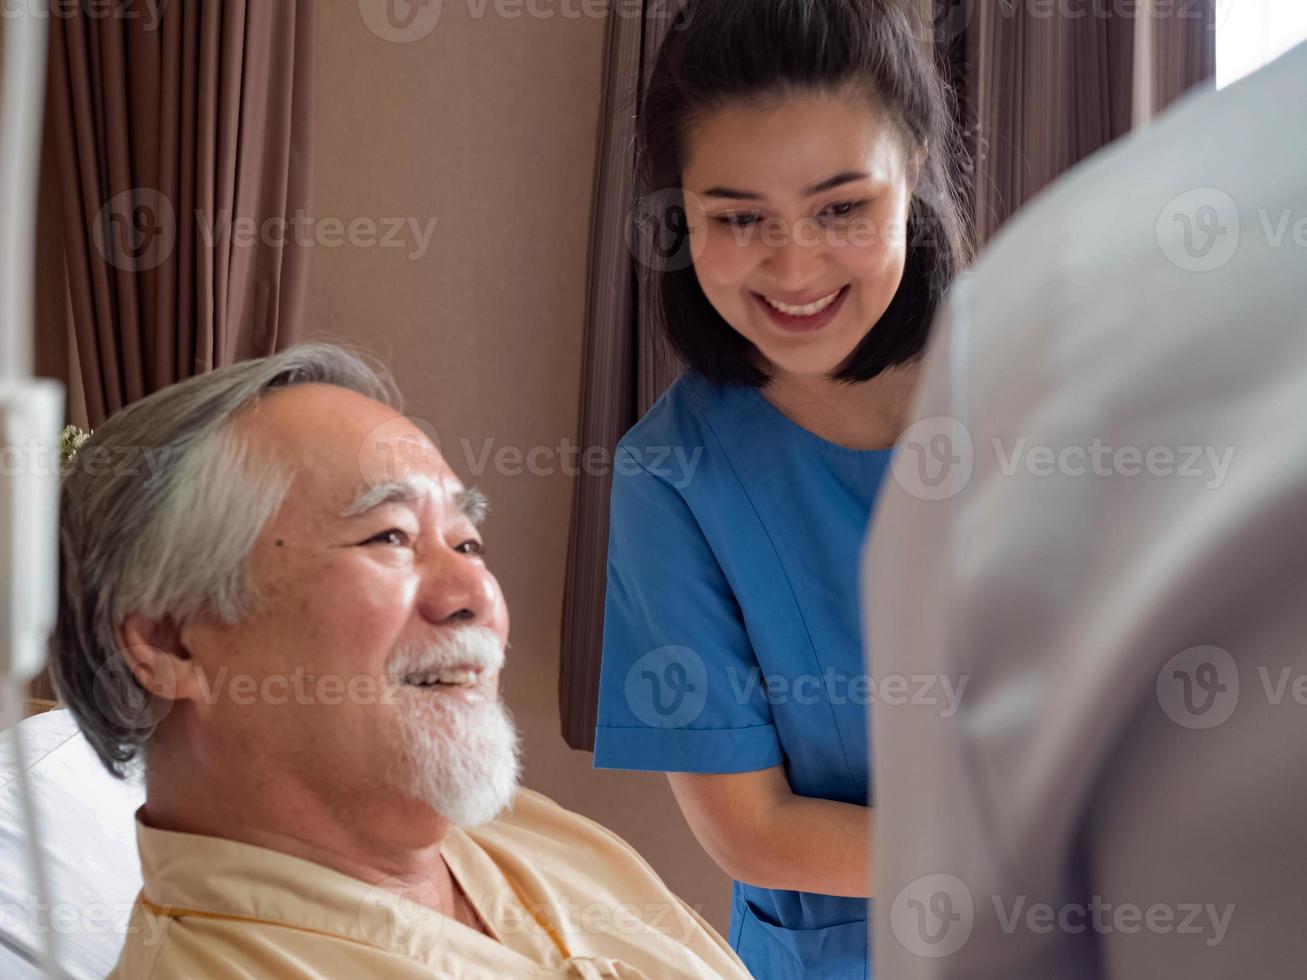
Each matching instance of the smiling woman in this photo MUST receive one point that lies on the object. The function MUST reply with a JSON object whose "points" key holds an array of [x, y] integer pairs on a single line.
{"points": [[780, 259], [816, 142], [801, 153]]}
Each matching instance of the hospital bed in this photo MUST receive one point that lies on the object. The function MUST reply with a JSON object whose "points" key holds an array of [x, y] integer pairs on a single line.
{"points": [[89, 835]]}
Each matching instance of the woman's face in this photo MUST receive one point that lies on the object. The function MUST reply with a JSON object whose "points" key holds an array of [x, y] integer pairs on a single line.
{"points": [[797, 217]]}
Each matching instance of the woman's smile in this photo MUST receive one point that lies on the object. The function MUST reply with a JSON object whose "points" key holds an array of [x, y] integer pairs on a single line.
{"points": [[803, 317]]}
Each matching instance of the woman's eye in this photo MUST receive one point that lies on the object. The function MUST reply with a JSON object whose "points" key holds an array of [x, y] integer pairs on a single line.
{"points": [[737, 220], [472, 547], [844, 209], [390, 536]]}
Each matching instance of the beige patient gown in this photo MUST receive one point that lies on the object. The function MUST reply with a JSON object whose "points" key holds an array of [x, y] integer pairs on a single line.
{"points": [[563, 897]]}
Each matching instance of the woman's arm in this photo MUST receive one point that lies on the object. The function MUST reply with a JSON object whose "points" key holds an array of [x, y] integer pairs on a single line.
{"points": [[760, 833]]}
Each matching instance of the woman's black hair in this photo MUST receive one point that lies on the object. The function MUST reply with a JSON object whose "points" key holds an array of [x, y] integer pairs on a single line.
{"points": [[722, 51]]}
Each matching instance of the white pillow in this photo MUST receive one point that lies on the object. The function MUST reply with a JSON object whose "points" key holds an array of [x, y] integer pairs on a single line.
{"points": [[88, 834]]}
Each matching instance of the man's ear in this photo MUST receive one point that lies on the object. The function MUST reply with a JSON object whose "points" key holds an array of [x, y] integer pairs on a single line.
{"points": [[154, 652]]}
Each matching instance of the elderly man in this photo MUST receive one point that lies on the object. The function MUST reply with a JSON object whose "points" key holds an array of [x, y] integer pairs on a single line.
{"points": [[283, 610]]}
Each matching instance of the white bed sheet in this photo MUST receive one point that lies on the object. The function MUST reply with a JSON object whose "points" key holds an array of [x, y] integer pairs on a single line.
{"points": [[88, 833]]}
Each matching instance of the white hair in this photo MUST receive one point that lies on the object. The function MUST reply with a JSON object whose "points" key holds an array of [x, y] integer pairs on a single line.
{"points": [[159, 510]]}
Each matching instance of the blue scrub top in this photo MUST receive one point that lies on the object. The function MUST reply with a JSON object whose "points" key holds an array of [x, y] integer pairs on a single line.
{"points": [[732, 634]]}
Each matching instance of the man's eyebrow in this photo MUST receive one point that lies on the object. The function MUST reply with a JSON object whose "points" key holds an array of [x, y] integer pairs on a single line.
{"points": [[374, 495], [829, 183], [471, 502], [474, 505]]}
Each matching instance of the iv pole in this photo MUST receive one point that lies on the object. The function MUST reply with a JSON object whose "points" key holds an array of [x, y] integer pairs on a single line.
{"points": [[31, 414]]}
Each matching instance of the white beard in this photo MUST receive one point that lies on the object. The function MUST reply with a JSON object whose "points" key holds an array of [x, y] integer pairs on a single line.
{"points": [[460, 758]]}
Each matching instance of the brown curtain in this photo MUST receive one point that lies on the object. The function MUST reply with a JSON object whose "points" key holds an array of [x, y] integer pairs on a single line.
{"points": [[176, 147], [624, 368], [1042, 94], [1039, 93], [183, 158], [1036, 95], [1183, 50]]}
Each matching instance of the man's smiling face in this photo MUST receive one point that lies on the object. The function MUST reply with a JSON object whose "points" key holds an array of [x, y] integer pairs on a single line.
{"points": [[375, 592]]}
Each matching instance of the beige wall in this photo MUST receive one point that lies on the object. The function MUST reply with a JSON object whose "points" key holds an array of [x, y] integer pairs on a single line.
{"points": [[487, 125]]}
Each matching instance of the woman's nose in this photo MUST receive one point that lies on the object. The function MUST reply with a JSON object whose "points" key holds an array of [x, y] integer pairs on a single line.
{"points": [[456, 589], [796, 260]]}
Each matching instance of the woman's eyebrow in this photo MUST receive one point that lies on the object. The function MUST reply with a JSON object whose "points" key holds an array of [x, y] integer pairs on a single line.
{"points": [[830, 183]]}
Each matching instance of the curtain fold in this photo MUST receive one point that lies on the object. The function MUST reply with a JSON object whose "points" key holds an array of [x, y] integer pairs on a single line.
{"points": [[1039, 93], [183, 158], [625, 367], [1183, 50], [165, 137], [1043, 93]]}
